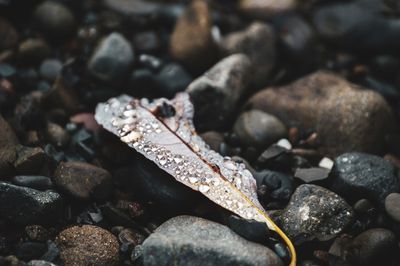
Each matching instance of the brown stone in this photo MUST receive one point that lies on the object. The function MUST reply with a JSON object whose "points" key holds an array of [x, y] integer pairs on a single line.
{"points": [[87, 245], [265, 8], [344, 116], [192, 42]]}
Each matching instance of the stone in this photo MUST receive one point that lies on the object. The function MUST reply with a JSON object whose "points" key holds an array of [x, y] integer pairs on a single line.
{"points": [[33, 181], [50, 69], [360, 175], [343, 116], [187, 240], [33, 50], [215, 94], [23, 205], [192, 41], [147, 42], [112, 58], [83, 181], [30, 250], [57, 135], [55, 20], [172, 79], [360, 26], [392, 206], [214, 139], [313, 174], [258, 129], [279, 185], [258, 42], [372, 247], [40, 263], [88, 245], [132, 7], [249, 229], [314, 212], [8, 35], [263, 9], [37, 233]]}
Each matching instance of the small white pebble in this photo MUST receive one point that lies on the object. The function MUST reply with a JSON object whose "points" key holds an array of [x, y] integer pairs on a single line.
{"points": [[284, 143], [326, 163]]}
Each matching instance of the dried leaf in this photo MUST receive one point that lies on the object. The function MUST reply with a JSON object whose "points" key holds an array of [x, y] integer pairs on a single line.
{"points": [[163, 132]]}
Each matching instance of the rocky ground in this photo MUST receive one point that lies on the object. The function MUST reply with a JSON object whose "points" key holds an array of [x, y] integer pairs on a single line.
{"points": [[305, 92]]}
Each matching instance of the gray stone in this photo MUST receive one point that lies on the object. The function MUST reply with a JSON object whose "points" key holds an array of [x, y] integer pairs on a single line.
{"points": [[258, 42], [259, 129], [26, 205], [112, 58], [392, 206], [186, 240], [357, 175], [216, 93], [315, 213]]}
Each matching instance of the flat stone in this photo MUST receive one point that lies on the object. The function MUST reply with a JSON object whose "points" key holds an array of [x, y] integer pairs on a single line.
{"points": [[186, 240]]}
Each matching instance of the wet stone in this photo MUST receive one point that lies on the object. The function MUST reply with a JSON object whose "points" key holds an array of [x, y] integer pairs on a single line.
{"points": [[112, 58], [314, 174], [258, 129], [50, 69], [213, 139], [26, 205], [249, 229], [314, 212], [266, 8], [57, 135], [33, 181], [172, 79], [216, 93], [392, 206], [40, 263], [186, 240], [83, 181], [279, 185], [88, 245], [357, 175]]}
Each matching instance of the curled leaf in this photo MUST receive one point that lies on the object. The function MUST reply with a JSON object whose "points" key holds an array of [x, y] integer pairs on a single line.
{"points": [[163, 131]]}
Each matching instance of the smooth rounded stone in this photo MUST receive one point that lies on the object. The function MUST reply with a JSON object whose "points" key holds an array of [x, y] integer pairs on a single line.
{"points": [[192, 41], [88, 245], [187, 240], [55, 20], [57, 135], [83, 181], [131, 7], [147, 42], [263, 9], [314, 212], [24, 205], [8, 35], [172, 79], [112, 58], [363, 206], [258, 42], [33, 181], [216, 93], [373, 247], [280, 185], [258, 129], [50, 69], [33, 50], [359, 175], [6, 70], [358, 25], [313, 174], [392, 206], [30, 250], [214, 139], [344, 117], [40, 263], [249, 229]]}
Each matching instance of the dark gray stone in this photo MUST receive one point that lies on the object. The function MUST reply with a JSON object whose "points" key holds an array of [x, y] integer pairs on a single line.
{"points": [[50, 69], [216, 93], [112, 58], [392, 206], [186, 240], [33, 181], [26, 205], [315, 213], [360, 175]]}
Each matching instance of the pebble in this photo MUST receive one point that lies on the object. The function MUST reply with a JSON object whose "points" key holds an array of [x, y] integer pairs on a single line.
{"points": [[172, 79], [249, 229], [258, 129], [23, 205], [37, 232], [375, 246], [33, 181], [187, 240], [192, 42], [258, 42], [314, 212], [8, 35], [83, 181], [392, 206], [30, 250], [132, 8], [50, 69], [147, 42], [279, 185], [33, 50], [344, 117], [216, 93], [40, 263], [360, 175], [266, 8], [363, 206], [112, 58], [87, 245], [57, 135], [55, 20], [214, 139], [313, 174]]}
